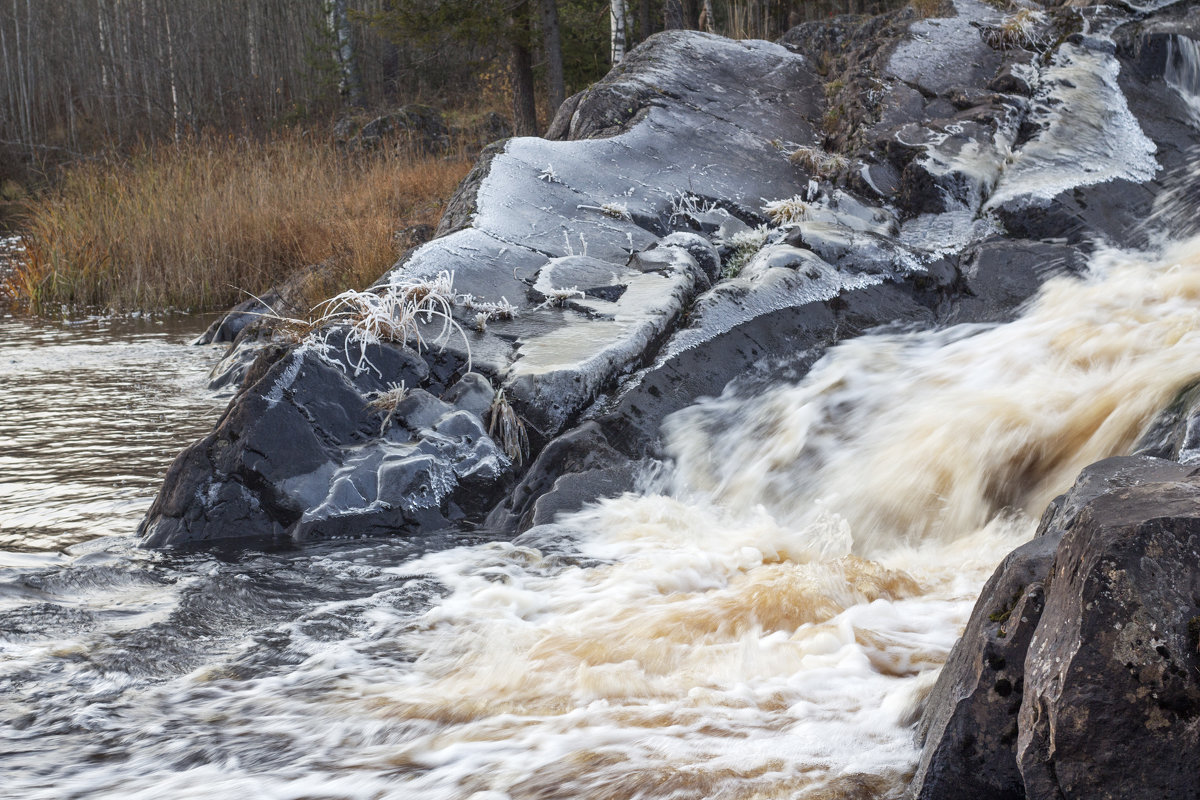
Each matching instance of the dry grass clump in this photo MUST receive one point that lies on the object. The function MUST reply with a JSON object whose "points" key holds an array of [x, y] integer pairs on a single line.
{"points": [[818, 162], [507, 428], [931, 8], [787, 211], [195, 225], [394, 312], [1017, 30], [386, 403]]}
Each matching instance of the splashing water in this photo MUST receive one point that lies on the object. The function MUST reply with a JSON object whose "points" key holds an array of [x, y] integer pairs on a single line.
{"points": [[931, 434], [763, 624], [1182, 72], [769, 625]]}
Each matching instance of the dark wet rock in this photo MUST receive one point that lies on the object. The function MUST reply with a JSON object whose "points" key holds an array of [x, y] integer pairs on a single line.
{"points": [[560, 125], [1113, 673], [235, 320], [1175, 433], [1148, 46], [472, 393], [736, 329], [301, 453], [235, 365], [576, 468], [1002, 273], [1080, 655], [970, 729], [416, 126], [1010, 81], [1115, 211]]}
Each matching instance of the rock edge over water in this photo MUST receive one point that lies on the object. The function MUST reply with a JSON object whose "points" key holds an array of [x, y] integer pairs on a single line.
{"points": [[713, 212], [1078, 675]]}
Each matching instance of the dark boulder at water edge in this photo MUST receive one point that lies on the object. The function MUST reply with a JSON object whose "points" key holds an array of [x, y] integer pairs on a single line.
{"points": [[711, 217], [1079, 674]]}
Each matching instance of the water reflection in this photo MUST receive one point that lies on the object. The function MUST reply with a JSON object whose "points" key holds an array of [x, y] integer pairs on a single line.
{"points": [[91, 414]]}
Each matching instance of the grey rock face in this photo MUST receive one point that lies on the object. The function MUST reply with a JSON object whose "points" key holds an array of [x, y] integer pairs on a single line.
{"points": [[595, 250]]}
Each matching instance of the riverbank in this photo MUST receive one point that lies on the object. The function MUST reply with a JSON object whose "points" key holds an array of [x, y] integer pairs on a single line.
{"points": [[200, 224]]}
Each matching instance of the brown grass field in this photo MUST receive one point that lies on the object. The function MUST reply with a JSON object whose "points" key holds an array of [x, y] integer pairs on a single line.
{"points": [[197, 225]]}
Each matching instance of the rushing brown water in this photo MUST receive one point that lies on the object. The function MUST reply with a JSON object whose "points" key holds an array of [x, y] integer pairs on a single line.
{"points": [[762, 620]]}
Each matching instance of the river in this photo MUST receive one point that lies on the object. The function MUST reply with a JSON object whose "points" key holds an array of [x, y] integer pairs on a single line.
{"points": [[762, 620]]}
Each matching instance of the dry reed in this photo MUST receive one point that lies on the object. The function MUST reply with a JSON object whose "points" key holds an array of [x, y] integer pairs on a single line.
{"points": [[198, 224]]}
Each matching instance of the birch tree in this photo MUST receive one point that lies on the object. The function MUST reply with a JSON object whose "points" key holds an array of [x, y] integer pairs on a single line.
{"points": [[617, 16], [349, 80]]}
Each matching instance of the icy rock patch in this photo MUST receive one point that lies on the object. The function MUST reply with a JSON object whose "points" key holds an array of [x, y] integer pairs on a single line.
{"points": [[1088, 134]]}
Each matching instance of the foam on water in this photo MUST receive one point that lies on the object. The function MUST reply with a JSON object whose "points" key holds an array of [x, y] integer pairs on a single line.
{"points": [[763, 623]]}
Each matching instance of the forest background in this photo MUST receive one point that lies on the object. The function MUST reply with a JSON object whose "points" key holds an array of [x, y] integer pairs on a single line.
{"points": [[182, 153]]}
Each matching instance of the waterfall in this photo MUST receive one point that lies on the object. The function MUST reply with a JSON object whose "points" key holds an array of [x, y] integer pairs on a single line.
{"points": [[763, 619], [775, 608], [1182, 71]]}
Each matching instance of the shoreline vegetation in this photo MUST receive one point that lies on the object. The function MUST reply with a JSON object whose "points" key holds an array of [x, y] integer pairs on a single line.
{"points": [[188, 156], [200, 224]]}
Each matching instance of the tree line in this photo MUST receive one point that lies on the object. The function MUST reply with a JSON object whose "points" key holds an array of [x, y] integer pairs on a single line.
{"points": [[83, 74]]}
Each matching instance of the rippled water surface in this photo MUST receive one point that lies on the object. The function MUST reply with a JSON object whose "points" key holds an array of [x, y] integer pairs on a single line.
{"points": [[91, 414]]}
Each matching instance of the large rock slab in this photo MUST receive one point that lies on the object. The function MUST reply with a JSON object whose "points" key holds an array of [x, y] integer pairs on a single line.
{"points": [[711, 213], [571, 263]]}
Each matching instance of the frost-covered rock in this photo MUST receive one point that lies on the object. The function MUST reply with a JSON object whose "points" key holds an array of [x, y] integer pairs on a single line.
{"points": [[572, 262], [710, 215]]}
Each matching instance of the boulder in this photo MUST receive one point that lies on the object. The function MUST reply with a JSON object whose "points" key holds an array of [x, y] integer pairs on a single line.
{"points": [[419, 127], [970, 727], [1080, 656]]}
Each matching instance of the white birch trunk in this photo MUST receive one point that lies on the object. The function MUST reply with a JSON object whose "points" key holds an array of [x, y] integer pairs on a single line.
{"points": [[252, 38], [178, 132], [617, 16], [350, 85]]}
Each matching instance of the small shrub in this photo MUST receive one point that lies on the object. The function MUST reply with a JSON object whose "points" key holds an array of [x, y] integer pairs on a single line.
{"points": [[744, 247]]}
